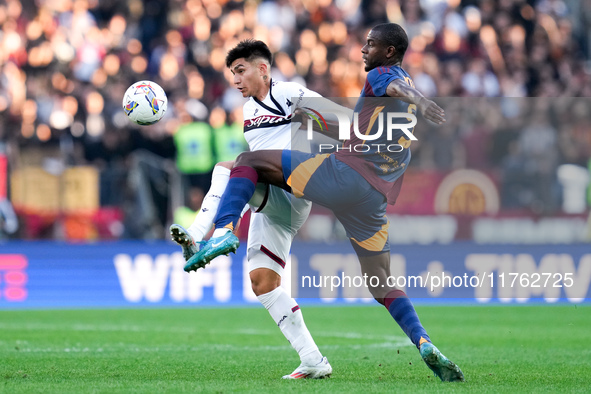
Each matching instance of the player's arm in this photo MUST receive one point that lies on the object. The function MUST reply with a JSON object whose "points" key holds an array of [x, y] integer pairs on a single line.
{"points": [[326, 115], [400, 89], [326, 125]]}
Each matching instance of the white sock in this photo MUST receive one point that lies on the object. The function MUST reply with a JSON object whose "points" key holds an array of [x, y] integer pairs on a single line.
{"points": [[281, 307], [204, 219], [220, 232]]}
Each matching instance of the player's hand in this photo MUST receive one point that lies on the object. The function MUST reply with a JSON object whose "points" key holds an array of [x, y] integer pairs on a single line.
{"points": [[431, 111], [300, 116]]}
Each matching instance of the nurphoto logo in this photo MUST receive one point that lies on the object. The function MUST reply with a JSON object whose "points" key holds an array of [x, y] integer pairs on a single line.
{"points": [[344, 122]]}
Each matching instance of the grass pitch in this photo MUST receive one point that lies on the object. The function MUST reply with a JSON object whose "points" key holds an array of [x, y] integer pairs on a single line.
{"points": [[499, 348]]}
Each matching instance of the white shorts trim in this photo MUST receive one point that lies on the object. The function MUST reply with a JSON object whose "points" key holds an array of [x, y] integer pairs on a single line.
{"points": [[258, 259]]}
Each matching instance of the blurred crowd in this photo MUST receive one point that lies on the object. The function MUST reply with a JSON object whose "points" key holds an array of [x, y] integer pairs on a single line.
{"points": [[519, 142], [65, 64]]}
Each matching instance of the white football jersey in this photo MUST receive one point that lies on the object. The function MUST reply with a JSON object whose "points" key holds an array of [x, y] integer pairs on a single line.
{"points": [[268, 123]]}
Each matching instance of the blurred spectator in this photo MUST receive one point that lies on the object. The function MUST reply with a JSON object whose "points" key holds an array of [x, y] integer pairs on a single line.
{"points": [[228, 134], [478, 81], [194, 153]]}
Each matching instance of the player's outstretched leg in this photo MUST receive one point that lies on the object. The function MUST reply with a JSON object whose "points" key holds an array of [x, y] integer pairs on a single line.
{"points": [[403, 311], [287, 315], [190, 239], [239, 191], [441, 366]]}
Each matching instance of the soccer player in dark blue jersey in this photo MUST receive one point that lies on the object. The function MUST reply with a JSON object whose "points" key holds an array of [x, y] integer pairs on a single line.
{"points": [[356, 183]]}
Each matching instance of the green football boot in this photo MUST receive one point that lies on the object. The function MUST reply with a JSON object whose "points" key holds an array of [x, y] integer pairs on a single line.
{"points": [[213, 248], [445, 369]]}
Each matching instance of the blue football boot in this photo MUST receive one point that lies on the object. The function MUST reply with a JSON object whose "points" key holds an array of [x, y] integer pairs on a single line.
{"points": [[445, 369], [213, 248]]}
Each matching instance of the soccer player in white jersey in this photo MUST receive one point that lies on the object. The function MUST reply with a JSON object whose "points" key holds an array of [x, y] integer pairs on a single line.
{"points": [[268, 117]]}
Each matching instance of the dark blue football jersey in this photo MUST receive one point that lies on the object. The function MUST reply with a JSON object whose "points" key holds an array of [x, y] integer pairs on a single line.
{"points": [[380, 156]]}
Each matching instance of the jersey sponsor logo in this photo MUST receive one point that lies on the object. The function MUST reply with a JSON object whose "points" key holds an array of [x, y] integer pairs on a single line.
{"points": [[266, 121]]}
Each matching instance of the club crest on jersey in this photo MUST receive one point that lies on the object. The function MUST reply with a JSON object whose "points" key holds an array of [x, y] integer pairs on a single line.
{"points": [[266, 121]]}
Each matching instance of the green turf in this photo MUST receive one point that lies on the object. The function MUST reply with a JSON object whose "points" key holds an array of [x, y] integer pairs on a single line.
{"points": [[499, 348]]}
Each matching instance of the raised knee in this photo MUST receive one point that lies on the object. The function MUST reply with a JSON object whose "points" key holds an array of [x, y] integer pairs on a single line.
{"points": [[263, 287], [264, 281]]}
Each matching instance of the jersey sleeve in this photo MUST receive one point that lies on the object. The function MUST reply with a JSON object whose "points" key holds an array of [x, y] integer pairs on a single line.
{"points": [[380, 77], [307, 99], [298, 94]]}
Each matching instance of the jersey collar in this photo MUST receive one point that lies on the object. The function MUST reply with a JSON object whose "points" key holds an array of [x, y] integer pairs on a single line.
{"points": [[278, 110]]}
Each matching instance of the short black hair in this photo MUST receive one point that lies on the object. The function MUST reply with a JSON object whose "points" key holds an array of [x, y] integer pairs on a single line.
{"points": [[249, 49], [394, 35]]}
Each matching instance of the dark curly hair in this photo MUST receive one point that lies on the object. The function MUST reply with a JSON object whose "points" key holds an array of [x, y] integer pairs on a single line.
{"points": [[249, 50], [394, 35]]}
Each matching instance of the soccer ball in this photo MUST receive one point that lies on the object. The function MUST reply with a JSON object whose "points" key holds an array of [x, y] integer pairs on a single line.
{"points": [[145, 102]]}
